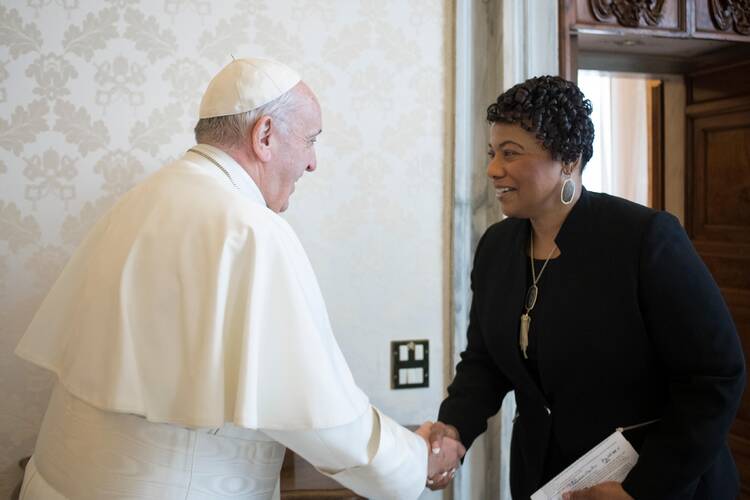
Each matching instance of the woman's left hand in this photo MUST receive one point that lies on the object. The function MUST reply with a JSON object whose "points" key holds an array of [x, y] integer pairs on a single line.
{"points": [[604, 491]]}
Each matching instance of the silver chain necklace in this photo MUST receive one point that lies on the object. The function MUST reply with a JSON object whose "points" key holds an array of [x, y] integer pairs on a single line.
{"points": [[212, 160]]}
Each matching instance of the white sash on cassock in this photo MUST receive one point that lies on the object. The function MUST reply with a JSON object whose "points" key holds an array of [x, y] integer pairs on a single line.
{"points": [[190, 302]]}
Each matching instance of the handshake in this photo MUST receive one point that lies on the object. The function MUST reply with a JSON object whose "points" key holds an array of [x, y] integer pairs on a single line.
{"points": [[445, 455]]}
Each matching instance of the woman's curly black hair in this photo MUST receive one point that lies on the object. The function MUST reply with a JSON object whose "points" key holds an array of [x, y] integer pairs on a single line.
{"points": [[555, 110]]}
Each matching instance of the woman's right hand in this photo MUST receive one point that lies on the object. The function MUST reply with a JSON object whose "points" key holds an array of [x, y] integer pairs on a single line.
{"points": [[438, 432]]}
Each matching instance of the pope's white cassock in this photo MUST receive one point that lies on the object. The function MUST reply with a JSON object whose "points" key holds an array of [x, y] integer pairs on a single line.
{"points": [[191, 345]]}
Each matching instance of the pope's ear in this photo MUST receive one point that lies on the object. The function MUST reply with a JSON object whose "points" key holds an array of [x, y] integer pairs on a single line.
{"points": [[260, 138]]}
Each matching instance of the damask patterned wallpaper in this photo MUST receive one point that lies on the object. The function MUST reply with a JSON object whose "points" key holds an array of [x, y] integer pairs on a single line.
{"points": [[96, 94]]}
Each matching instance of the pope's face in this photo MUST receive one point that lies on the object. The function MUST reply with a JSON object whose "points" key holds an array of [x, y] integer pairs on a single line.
{"points": [[295, 152]]}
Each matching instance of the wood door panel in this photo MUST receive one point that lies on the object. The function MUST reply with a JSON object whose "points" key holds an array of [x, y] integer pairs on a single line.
{"points": [[731, 272], [721, 82], [721, 177], [729, 264], [728, 186]]}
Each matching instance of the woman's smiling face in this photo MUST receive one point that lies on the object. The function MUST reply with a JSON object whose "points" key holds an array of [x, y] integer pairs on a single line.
{"points": [[527, 180]]}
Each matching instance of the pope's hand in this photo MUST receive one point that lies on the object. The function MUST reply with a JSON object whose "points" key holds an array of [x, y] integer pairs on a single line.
{"points": [[604, 491], [444, 443]]}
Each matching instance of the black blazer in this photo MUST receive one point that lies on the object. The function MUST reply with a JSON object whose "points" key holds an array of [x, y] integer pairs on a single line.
{"points": [[641, 333]]}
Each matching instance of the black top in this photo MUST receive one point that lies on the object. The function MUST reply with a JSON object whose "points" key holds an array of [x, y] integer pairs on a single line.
{"points": [[549, 287], [635, 329]]}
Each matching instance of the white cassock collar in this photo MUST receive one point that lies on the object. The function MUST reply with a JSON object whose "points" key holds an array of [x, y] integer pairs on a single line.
{"points": [[229, 166]]}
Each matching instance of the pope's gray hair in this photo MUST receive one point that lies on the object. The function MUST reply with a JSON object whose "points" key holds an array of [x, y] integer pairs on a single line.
{"points": [[232, 130]]}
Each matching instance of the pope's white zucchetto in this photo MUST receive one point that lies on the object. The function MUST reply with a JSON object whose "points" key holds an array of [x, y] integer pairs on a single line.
{"points": [[246, 84]]}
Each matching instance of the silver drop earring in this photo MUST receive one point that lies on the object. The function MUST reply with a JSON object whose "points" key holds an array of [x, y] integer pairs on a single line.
{"points": [[568, 191]]}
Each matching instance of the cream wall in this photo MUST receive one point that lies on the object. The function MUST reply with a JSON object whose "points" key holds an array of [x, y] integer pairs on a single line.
{"points": [[94, 95]]}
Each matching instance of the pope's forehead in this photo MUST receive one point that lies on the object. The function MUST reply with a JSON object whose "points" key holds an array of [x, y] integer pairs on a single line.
{"points": [[311, 105]]}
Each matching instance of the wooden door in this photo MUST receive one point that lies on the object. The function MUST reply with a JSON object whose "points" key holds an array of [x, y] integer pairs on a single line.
{"points": [[718, 206]]}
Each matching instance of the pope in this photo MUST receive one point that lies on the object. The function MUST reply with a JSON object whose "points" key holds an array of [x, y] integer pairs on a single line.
{"points": [[189, 337]]}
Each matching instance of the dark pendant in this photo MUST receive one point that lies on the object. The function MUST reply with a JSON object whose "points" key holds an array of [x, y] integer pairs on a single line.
{"points": [[531, 295], [569, 190]]}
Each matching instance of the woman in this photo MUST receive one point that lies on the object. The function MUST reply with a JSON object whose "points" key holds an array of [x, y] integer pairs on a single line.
{"points": [[598, 313]]}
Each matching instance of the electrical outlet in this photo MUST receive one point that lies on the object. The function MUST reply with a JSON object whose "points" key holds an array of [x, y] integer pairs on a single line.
{"points": [[410, 364]]}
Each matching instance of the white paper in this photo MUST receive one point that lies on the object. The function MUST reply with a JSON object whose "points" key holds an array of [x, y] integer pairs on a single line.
{"points": [[610, 460]]}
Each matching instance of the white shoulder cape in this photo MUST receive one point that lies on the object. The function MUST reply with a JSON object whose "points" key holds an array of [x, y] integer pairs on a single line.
{"points": [[192, 303]]}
